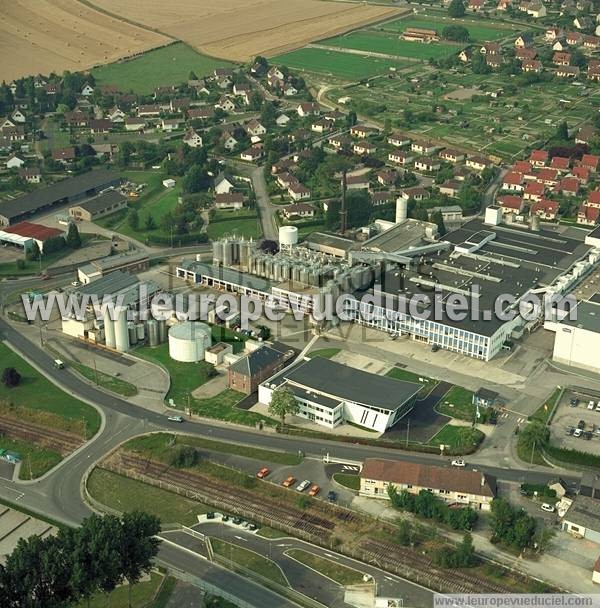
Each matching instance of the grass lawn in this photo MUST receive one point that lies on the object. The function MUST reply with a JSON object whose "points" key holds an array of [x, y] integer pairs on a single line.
{"points": [[142, 595], [36, 460], [399, 373], [271, 533], [10, 269], [336, 63], [222, 407], [166, 66], [185, 377], [249, 560], [38, 395], [392, 45], [457, 436], [246, 227], [158, 444], [110, 383], [124, 494], [337, 572], [348, 480], [542, 414], [326, 353], [221, 333], [458, 403]]}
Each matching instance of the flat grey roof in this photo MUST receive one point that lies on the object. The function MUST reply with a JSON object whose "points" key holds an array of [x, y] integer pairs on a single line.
{"points": [[110, 284], [337, 381], [588, 317], [329, 240], [103, 201], [227, 274], [114, 261], [64, 189]]}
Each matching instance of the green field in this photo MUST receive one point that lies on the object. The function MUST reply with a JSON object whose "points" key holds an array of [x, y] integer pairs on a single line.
{"points": [[457, 437], [391, 45], [337, 572], [166, 66], [478, 30], [39, 396], [336, 63], [246, 227], [35, 460]]}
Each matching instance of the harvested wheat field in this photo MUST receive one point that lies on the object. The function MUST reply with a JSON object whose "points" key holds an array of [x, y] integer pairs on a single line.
{"points": [[241, 29], [43, 36]]}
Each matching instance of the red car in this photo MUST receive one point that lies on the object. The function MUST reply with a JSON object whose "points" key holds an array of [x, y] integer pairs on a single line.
{"points": [[263, 473], [314, 490], [286, 483]]}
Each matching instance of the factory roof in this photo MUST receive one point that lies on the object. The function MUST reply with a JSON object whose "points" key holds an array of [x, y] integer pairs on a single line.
{"points": [[329, 240], [64, 189], [34, 231], [587, 316], [109, 285], [337, 381], [103, 201], [114, 261], [227, 274], [259, 359], [409, 233], [585, 511]]}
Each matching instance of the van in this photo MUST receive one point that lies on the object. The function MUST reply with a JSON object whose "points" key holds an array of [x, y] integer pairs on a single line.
{"points": [[58, 364]]}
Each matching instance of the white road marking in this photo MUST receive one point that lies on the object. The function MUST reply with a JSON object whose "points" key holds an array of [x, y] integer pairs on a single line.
{"points": [[240, 538], [19, 494]]}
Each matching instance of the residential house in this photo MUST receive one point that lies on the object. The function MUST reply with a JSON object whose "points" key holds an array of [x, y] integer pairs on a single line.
{"points": [[252, 154], [569, 71], [538, 158], [582, 22], [398, 139], [31, 175], [248, 372], [586, 135], [451, 155], [561, 58], [254, 128], [100, 126], [298, 210], [560, 163], [192, 138], [513, 181], [425, 163], [560, 45], [308, 109], [591, 42], [339, 142], [180, 105], [450, 188], [225, 104], [282, 120], [574, 38], [588, 216], [450, 484], [532, 65], [493, 61], [360, 131], [491, 48], [475, 5], [399, 157], [423, 147], [593, 199], [224, 184], [234, 200], [524, 41], [321, 125], [387, 177], [450, 213], [466, 54], [581, 173], [547, 176], [298, 192], [76, 118], [568, 186], [416, 193], [148, 111], [87, 90], [64, 155], [15, 162], [510, 203], [364, 148], [534, 191], [479, 163], [170, 124], [18, 117], [591, 161], [228, 140], [552, 33], [534, 8], [382, 198], [116, 115], [545, 209], [525, 53], [357, 182], [135, 124], [243, 91], [201, 113]]}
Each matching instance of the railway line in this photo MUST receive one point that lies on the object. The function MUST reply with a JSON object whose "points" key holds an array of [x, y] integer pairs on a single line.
{"points": [[62, 442]]}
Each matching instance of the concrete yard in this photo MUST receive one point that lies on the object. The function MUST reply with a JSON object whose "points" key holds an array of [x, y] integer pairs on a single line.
{"points": [[15, 525]]}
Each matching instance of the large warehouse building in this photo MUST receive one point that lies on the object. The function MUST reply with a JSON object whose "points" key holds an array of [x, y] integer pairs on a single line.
{"points": [[331, 393], [65, 191]]}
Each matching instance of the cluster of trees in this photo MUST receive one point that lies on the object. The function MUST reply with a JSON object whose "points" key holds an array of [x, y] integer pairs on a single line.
{"points": [[358, 206], [56, 243], [283, 403], [511, 526], [462, 556], [456, 9], [428, 506], [456, 33], [11, 377], [57, 571]]}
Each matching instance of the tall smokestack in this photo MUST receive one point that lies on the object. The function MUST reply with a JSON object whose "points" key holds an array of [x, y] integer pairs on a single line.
{"points": [[343, 210]]}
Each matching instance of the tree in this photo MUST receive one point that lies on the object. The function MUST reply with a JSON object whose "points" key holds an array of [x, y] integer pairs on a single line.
{"points": [[479, 64], [195, 179], [133, 219], [150, 223], [283, 403], [139, 545], [34, 251], [183, 456], [73, 237], [404, 533], [562, 131], [11, 377], [465, 552], [456, 33], [456, 9], [534, 436]]}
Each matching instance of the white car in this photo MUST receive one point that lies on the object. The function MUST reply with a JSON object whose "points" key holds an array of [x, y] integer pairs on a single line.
{"points": [[75, 283], [591, 405], [548, 508], [577, 432], [303, 485], [175, 418], [458, 463]]}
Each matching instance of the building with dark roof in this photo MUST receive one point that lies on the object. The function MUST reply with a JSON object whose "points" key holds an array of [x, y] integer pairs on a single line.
{"points": [[330, 393], [247, 373], [106, 203], [60, 193], [583, 519], [450, 484]]}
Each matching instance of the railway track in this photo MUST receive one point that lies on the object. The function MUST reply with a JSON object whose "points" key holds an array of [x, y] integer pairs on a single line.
{"points": [[60, 441], [236, 500], [413, 564]]}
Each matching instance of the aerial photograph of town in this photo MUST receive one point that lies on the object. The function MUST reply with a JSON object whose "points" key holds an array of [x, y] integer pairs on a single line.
{"points": [[299, 303]]}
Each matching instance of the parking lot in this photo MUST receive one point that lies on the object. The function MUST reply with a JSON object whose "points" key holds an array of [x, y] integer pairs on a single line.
{"points": [[576, 423]]}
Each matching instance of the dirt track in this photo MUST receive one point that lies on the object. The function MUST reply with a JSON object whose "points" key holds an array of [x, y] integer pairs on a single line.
{"points": [[41, 36], [241, 29]]}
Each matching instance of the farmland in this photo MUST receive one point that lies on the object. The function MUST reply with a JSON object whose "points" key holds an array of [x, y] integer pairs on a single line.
{"points": [[241, 29], [390, 44], [166, 66], [43, 36], [479, 30], [337, 64]]}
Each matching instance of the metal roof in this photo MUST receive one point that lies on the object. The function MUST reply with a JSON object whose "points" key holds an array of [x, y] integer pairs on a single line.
{"points": [[102, 202]]}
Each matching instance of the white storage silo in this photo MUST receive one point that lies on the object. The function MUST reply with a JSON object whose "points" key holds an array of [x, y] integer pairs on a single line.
{"points": [[121, 330], [109, 331], [401, 209], [153, 337], [188, 341], [288, 236]]}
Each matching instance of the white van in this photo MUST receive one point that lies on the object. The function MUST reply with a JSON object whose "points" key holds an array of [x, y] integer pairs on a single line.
{"points": [[58, 364]]}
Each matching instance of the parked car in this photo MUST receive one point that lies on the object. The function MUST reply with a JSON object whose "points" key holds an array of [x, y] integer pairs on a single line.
{"points": [[459, 462], [331, 496], [574, 402], [314, 490], [263, 472], [289, 481], [598, 406], [577, 433], [591, 405], [252, 527], [581, 424], [570, 430], [237, 521], [303, 485], [175, 418], [435, 348], [547, 507]]}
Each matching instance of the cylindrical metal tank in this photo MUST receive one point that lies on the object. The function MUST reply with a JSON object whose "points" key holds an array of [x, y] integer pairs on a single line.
{"points": [[288, 236], [188, 341], [121, 330], [227, 253], [141, 332], [153, 337], [296, 274], [109, 332], [244, 253], [162, 331], [132, 331], [218, 252], [401, 209]]}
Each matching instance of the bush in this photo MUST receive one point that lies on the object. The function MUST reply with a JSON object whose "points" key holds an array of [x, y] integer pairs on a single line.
{"points": [[11, 377], [183, 457]]}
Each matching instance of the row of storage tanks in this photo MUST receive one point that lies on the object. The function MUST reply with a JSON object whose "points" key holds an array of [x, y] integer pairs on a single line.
{"points": [[122, 334]]}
